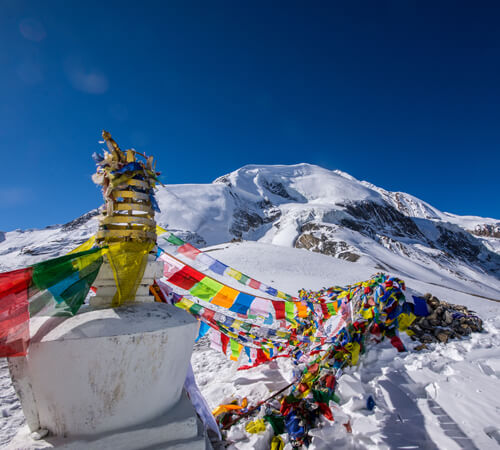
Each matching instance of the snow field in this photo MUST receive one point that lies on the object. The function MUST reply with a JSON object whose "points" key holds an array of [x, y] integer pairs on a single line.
{"points": [[443, 397]]}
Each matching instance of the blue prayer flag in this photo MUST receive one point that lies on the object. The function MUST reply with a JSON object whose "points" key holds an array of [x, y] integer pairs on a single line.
{"points": [[420, 306], [218, 267]]}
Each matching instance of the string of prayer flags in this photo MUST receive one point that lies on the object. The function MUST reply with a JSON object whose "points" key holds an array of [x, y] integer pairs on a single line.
{"points": [[59, 285], [376, 307], [217, 267], [210, 290]]}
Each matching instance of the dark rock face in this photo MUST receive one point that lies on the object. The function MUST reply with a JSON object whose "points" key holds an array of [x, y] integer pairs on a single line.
{"points": [[445, 321], [315, 237], [277, 188], [419, 239], [386, 225], [458, 244], [251, 216], [465, 247], [370, 218], [243, 221]]}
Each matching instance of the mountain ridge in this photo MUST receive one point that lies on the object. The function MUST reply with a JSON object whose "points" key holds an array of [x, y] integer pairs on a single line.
{"points": [[305, 206]]}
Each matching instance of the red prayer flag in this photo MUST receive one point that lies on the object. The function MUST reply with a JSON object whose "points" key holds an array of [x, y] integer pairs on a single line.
{"points": [[397, 343], [324, 309], [279, 307], [254, 283], [186, 278], [14, 314], [224, 340], [189, 251], [325, 409]]}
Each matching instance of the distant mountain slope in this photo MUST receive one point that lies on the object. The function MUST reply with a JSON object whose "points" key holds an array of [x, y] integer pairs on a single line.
{"points": [[309, 207]]}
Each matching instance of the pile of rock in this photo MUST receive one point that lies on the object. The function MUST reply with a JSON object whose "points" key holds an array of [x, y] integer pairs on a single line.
{"points": [[445, 321]]}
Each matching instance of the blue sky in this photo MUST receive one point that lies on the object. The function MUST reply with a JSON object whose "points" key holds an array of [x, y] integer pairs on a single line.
{"points": [[403, 94]]}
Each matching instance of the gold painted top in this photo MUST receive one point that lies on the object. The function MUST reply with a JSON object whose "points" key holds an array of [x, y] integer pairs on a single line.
{"points": [[128, 190]]}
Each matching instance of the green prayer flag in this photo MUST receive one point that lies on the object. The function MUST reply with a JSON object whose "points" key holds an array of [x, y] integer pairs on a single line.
{"points": [[278, 423], [244, 279], [206, 289], [195, 309], [174, 240]]}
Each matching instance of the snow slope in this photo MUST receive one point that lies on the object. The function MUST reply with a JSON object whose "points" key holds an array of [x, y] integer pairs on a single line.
{"points": [[438, 398]]}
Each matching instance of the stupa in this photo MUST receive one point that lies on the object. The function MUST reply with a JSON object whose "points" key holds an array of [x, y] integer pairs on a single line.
{"points": [[112, 375]]}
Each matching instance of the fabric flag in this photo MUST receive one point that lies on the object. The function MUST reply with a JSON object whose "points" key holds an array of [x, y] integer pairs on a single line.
{"points": [[216, 266], [174, 240], [225, 298], [260, 307], [186, 278], [242, 303], [205, 261], [215, 340], [279, 308], [128, 261], [206, 289], [170, 265], [235, 350], [56, 286], [14, 315], [199, 402], [224, 342], [420, 306], [189, 251], [202, 331], [254, 284]]}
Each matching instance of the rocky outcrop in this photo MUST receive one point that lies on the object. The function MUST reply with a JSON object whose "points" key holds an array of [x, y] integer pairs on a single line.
{"points": [[248, 216], [486, 230], [277, 188], [190, 237], [318, 238], [463, 246], [80, 221]]}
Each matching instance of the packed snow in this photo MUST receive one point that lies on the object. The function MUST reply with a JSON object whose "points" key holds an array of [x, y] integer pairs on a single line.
{"points": [[442, 397]]}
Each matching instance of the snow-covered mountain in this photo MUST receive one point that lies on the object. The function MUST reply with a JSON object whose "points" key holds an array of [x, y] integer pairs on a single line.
{"points": [[306, 206], [351, 229]]}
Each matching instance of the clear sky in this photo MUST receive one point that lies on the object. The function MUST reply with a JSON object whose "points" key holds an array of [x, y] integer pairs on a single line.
{"points": [[404, 94]]}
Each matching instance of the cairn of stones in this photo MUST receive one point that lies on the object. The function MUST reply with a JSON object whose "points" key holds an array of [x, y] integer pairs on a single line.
{"points": [[445, 321]]}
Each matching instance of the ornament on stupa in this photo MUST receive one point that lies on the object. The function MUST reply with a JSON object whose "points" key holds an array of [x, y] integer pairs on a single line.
{"points": [[127, 226], [128, 179]]}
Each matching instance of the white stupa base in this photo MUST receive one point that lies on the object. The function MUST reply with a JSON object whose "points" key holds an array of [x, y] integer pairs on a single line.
{"points": [[108, 376], [179, 429]]}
